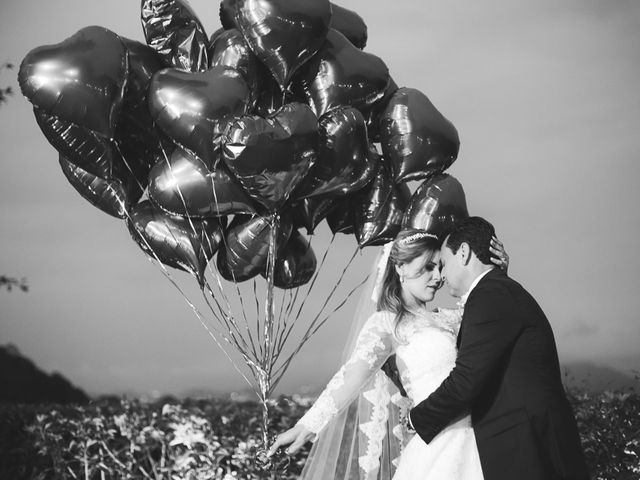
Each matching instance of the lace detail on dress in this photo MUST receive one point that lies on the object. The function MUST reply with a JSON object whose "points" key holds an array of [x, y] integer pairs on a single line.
{"points": [[401, 431], [449, 318], [370, 342], [373, 347], [324, 408], [375, 428]]}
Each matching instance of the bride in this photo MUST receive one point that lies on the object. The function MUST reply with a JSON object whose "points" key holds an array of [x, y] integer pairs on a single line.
{"points": [[359, 421]]}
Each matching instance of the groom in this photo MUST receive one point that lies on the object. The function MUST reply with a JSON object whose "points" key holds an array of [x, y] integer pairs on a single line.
{"points": [[507, 372]]}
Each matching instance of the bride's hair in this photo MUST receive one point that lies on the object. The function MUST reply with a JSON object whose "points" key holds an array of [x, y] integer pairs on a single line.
{"points": [[408, 245]]}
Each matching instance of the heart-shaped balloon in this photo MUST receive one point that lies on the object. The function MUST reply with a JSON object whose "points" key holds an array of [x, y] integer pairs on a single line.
{"points": [[373, 113], [271, 156], [84, 148], [342, 218], [415, 137], [172, 28], [296, 264], [110, 196], [212, 39], [80, 80], [347, 22], [193, 108], [229, 49], [183, 185], [436, 205], [343, 164], [270, 98], [342, 75], [144, 62], [309, 212], [139, 142], [226, 14], [283, 34], [350, 24], [187, 244], [378, 217], [246, 247]]}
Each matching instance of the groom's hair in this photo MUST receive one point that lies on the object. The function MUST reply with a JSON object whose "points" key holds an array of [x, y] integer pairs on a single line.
{"points": [[477, 233]]}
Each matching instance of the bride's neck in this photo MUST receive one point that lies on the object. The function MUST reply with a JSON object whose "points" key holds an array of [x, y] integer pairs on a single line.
{"points": [[412, 305]]}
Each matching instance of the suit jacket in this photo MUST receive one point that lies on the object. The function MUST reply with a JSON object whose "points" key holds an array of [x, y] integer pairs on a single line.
{"points": [[508, 376]]}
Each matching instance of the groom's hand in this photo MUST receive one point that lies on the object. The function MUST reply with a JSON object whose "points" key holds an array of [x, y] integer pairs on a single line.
{"points": [[296, 436], [499, 255]]}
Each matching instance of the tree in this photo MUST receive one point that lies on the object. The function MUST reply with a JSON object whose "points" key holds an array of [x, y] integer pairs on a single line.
{"points": [[5, 92], [9, 282]]}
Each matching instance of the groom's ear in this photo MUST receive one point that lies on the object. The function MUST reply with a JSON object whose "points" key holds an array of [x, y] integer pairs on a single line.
{"points": [[465, 253]]}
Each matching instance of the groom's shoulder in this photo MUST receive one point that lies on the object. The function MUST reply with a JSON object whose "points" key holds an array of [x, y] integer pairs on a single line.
{"points": [[496, 283]]}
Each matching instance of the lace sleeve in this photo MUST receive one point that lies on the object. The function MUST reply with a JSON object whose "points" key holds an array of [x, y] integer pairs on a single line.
{"points": [[373, 347]]}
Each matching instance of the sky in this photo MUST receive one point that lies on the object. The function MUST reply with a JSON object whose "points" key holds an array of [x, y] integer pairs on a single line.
{"points": [[545, 97]]}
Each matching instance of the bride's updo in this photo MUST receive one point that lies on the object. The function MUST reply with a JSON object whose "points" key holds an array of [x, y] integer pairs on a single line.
{"points": [[408, 245]]}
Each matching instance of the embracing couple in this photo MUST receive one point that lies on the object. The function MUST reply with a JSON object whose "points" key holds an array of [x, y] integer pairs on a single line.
{"points": [[480, 385]]}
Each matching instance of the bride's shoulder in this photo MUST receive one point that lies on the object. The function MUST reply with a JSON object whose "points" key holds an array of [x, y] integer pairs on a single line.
{"points": [[382, 319]]}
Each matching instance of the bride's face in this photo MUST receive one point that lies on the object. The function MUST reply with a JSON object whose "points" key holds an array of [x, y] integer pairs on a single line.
{"points": [[421, 277]]}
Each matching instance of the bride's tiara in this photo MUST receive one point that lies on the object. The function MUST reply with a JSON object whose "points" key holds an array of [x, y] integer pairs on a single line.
{"points": [[417, 236]]}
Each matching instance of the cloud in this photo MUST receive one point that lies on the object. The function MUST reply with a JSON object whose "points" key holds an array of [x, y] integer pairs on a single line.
{"points": [[581, 328]]}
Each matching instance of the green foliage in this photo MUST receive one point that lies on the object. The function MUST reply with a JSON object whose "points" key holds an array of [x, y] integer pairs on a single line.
{"points": [[215, 439]]}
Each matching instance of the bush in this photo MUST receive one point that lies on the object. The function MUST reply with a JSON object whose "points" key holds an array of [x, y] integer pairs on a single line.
{"points": [[216, 439]]}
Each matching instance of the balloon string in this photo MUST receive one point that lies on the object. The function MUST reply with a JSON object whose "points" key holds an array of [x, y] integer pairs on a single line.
{"points": [[193, 307], [249, 335], [182, 199], [196, 311], [228, 323], [258, 330], [274, 222], [282, 370], [244, 311], [224, 242], [203, 253], [294, 298], [315, 277], [313, 323], [229, 320], [287, 332], [229, 314], [279, 317]]}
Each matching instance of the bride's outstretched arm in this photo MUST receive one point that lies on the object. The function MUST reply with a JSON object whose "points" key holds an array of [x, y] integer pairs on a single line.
{"points": [[372, 349]]}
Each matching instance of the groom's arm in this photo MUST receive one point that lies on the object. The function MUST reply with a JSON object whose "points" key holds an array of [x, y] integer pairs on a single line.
{"points": [[490, 329]]}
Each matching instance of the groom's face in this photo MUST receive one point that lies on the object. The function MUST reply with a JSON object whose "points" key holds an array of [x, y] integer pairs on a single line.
{"points": [[451, 269]]}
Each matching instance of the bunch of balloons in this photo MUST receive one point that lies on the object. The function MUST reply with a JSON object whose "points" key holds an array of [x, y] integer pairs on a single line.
{"points": [[229, 145]]}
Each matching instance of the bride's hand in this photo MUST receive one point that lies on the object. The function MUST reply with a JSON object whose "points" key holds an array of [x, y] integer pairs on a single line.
{"points": [[499, 255], [296, 436]]}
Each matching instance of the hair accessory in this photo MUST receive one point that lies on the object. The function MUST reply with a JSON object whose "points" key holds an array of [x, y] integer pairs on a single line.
{"points": [[417, 236]]}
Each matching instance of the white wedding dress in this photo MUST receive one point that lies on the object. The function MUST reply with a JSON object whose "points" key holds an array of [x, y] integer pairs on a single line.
{"points": [[425, 349]]}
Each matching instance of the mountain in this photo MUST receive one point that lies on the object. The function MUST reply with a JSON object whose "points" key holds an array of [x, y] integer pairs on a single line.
{"points": [[21, 381], [597, 378]]}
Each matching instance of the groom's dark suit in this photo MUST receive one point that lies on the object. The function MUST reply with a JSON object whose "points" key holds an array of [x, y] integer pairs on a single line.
{"points": [[508, 376]]}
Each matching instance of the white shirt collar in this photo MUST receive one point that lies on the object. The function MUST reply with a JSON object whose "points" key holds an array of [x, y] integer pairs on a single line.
{"points": [[463, 298]]}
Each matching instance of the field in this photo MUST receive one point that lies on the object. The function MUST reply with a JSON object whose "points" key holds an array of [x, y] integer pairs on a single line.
{"points": [[114, 438]]}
